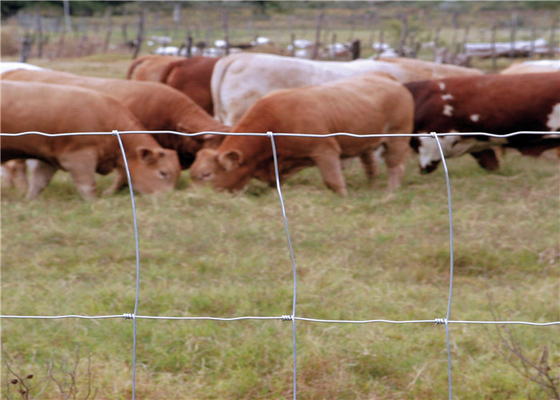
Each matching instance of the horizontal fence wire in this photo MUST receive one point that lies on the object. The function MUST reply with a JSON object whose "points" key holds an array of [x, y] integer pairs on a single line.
{"points": [[280, 134], [436, 321], [290, 317]]}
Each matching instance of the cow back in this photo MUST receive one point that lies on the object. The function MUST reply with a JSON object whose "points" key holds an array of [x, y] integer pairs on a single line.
{"points": [[239, 80]]}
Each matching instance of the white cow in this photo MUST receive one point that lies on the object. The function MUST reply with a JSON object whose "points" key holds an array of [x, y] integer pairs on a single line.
{"points": [[531, 67], [8, 66], [239, 80], [436, 70]]}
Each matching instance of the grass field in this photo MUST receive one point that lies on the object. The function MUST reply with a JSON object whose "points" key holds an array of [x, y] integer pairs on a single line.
{"points": [[372, 255]]}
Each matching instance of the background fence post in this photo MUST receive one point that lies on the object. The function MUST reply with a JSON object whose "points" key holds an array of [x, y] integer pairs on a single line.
{"points": [[225, 29], [26, 47], [109, 28], [355, 49], [493, 46], [67, 19], [404, 33], [315, 52], [140, 35], [436, 39], [552, 41], [40, 39], [512, 51]]}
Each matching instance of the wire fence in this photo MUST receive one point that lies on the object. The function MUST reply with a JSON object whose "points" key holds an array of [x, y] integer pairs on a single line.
{"points": [[290, 317]]}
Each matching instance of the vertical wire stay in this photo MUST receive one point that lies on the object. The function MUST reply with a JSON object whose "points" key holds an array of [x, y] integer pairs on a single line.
{"points": [[133, 316], [434, 135], [271, 136]]}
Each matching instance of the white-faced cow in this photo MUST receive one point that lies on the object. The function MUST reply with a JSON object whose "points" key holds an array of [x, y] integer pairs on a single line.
{"points": [[157, 106], [497, 104], [53, 109], [371, 103], [239, 80]]}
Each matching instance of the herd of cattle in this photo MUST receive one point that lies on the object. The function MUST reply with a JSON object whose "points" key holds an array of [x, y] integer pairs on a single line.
{"points": [[260, 93]]}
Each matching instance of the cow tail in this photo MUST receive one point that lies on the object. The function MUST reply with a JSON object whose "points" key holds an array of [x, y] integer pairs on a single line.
{"points": [[133, 66]]}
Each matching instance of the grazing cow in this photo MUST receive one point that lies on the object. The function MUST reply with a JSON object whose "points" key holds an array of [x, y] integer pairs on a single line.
{"points": [[188, 75], [365, 104], [241, 79], [157, 106], [497, 104], [14, 172], [53, 109], [436, 70], [532, 67]]}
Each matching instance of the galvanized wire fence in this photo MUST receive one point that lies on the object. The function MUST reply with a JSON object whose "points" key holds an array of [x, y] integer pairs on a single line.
{"points": [[134, 316]]}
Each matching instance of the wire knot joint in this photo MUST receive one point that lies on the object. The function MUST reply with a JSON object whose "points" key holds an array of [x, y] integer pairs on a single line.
{"points": [[440, 321], [287, 317], [128, 316]]}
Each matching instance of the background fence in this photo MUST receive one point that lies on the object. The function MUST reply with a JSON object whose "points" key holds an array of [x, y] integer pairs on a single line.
{"points": [[450, 33], [444, 320]]}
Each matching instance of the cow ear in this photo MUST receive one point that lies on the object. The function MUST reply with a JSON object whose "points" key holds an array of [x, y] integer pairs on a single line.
{"points": [[182, 128], [147, 155], [231, 159]]}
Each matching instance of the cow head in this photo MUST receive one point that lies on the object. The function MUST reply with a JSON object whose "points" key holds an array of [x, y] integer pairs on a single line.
{"points": [[154, 170], [455, 146], [429, 152], [221, 169]]}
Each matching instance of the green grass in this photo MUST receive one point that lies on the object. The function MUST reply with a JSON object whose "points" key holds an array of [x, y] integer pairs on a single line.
{"points": [[373, 255]]}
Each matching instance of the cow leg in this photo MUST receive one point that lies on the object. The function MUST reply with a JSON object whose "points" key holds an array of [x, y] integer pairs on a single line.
{"points": [[20, 177], [40, 176], [82, 165], [14, 173], [395, 156], [330, 166], [118, 182], [487, 159], [369, 163]]}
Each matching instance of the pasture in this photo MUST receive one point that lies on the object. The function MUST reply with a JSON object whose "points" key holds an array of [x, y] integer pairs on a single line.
{"points": [[372, 255]]}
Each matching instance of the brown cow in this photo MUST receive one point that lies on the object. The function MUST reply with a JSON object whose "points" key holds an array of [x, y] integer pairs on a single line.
{"points": [[53, 109], [150, 67], [497, 104], [157, 106], [192, 76], [365, 104], [188, 75]]}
